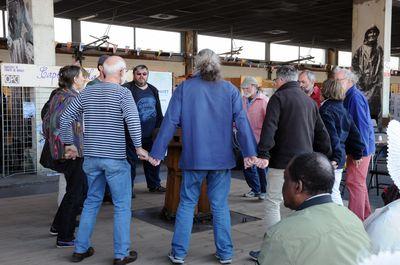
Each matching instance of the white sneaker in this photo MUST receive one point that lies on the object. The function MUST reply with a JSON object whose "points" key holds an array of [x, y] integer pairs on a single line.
{"points": [[174, 259], [251, 194], [262, 196]]}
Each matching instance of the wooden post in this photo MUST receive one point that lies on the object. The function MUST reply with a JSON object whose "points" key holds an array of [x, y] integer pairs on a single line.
{"points": [[190, 48], [332, 57], [174, 179]]}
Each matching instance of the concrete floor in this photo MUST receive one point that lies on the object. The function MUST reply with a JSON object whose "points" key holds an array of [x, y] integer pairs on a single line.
{"points": [[25, 222]]}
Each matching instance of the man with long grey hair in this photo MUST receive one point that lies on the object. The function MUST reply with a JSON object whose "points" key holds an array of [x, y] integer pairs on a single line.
{"points": [[205, 107], [292, 126]]}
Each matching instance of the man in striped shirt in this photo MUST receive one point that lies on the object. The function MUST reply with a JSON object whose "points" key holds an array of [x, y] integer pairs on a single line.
{"points": [[105, 106]]}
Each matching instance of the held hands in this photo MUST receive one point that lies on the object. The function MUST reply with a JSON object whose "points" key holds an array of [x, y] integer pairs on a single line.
{"points": [[262, 163], [255, 161], [249, 161], [71, 152], [142, 154], [154, 162]]}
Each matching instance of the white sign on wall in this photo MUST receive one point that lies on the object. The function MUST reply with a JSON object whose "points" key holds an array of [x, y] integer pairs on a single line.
{"points": [[30, 75], [163, 82]]}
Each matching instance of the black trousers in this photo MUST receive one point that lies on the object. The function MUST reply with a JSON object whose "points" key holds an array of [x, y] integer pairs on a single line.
{"points": [[69, 209]]}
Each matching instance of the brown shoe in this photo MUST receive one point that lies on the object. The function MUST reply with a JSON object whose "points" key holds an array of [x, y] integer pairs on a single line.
{"points": [[78, 257], [128, 259]]}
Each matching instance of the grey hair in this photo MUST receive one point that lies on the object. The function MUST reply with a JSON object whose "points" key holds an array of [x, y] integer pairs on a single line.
{"points": [[113, 65], [207, 64], [310, 75], [287, 73], [348, 74]]}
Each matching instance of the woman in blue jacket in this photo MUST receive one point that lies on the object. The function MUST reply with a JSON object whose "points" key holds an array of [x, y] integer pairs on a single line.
{"points": [[345, 137]]}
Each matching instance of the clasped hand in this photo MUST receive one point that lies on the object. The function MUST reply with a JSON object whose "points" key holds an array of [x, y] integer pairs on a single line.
{"points": [[255, 161], [144, 155], [71, 152]]}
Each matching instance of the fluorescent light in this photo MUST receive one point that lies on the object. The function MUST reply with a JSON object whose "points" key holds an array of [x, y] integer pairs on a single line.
{"points": [[281, 41], [87, 17], [163, 16], [276, 32]]}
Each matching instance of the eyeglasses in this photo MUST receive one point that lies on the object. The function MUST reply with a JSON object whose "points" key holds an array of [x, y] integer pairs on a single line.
{"points": [[142, 74]]}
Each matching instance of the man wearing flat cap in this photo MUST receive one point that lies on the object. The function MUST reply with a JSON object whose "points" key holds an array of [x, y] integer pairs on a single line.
{"points": [[255, 105]]}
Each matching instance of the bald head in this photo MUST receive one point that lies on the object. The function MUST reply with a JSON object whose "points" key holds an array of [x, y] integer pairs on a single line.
{"points": [[115, 70]]}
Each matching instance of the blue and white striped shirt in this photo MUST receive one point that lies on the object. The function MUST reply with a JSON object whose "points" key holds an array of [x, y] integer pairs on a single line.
{"points": [[105, 107]]}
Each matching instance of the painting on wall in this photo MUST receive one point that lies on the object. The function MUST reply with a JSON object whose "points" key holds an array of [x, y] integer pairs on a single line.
{"points": [[367, 62], [20, 38]]}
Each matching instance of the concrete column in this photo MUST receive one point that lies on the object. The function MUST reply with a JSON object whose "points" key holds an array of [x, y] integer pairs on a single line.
{"points": [[76, 30], [398, 65], [31, 27], [45, 54], [190, 49], [31, 30], [43, 32], [371, 52]]}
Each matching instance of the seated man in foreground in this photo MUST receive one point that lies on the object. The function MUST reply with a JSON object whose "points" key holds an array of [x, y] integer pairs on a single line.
{"points": [[319, 231]]}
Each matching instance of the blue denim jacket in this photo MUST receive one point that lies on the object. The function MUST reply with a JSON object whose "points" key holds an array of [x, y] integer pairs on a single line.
{"points": [[206, 111], [357, 106]]}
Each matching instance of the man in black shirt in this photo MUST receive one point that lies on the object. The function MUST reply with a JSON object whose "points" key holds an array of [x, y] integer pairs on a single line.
{"points": [[291, 127], [149, 108]]}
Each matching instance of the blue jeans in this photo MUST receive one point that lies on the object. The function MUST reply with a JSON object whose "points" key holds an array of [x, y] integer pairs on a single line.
{"points": [[116, 173], [218, 185], [256, 179]]}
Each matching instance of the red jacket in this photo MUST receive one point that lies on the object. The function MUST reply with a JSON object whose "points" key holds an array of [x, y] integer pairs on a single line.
{"points": [[316, 95]]}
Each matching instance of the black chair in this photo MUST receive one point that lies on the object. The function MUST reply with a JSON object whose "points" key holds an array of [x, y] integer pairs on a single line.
{"points": [[378, 168]]}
